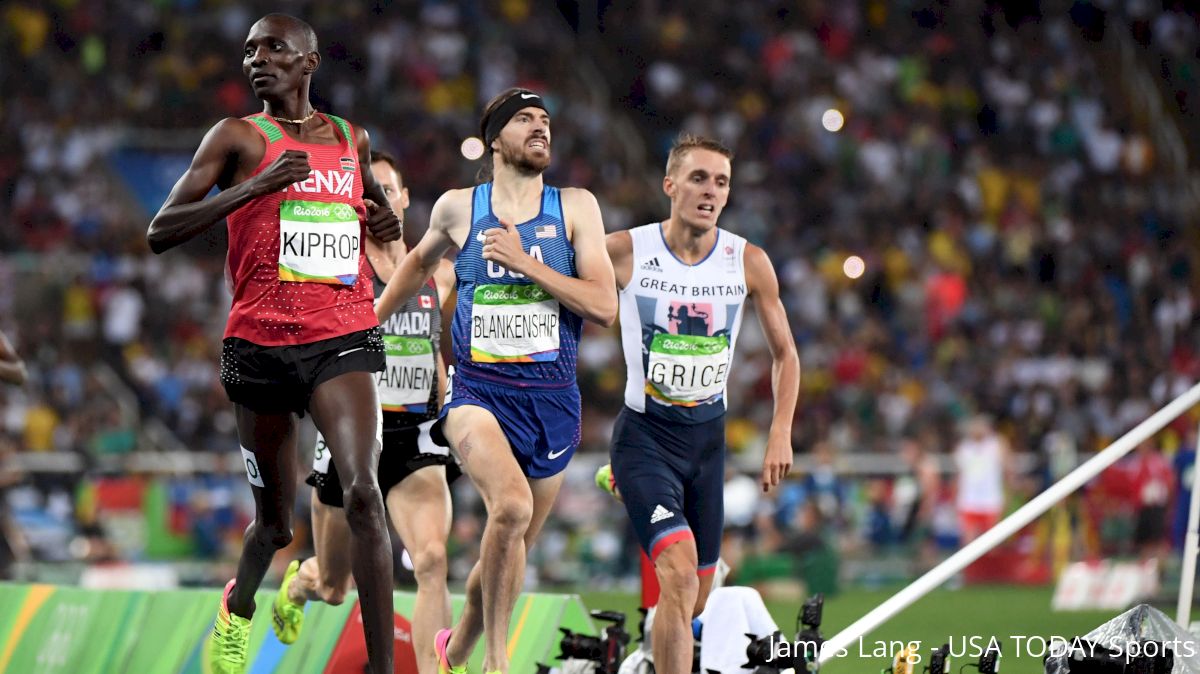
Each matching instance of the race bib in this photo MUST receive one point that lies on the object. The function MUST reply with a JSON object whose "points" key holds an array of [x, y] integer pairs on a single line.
{"points": [[252, 472], [318, 242], [321, 456], [409, 376], [514, 324], [687, 369]]}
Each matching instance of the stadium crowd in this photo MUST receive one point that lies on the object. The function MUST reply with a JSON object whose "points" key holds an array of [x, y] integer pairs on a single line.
{"points": [[1020, 258]]}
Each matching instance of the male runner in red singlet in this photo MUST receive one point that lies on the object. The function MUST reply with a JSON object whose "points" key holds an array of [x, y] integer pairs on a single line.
{"points": [[302, 335]]}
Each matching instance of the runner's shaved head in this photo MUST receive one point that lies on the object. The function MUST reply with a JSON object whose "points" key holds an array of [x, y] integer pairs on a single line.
{"points": [[298, 29]]}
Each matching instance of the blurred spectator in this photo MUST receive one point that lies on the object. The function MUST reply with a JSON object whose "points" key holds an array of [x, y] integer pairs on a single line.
{"points": [[916, 493], [13, 547], [1154, 481], [982, 460]]}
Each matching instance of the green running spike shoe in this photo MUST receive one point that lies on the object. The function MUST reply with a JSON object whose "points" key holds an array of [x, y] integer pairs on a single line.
{"points": [[225, 652], [287, 617], [606, 481]]}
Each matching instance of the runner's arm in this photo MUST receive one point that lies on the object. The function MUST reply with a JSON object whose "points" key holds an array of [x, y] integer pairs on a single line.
{"points": [[785, 363], [383, 223], [186, 213], [423, 260], [12, 368], [594, 294], [620, 251], [444, 278]]}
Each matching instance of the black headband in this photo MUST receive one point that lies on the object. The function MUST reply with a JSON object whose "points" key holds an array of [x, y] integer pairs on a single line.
{"points": [[499, 118]]}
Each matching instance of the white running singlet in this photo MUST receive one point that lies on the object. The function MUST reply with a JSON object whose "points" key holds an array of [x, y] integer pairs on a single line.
{"points": [[679, 326], [980, 475]]}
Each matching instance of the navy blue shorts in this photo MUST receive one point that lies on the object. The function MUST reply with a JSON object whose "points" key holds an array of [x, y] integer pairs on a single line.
{"points": [[672, 479], [542, 425]]}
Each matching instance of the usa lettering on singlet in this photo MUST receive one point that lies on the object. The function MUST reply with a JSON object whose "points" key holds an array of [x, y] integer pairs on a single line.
{"points": [[507, 328], [408, 383], [679, 326]]}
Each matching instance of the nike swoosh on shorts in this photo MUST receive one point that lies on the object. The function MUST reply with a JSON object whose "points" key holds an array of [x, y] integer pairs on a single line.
{"points": [[350, 351], [554, 455]]}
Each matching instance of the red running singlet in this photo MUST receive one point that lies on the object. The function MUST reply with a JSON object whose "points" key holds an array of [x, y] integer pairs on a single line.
{"points": [[296, 265]]}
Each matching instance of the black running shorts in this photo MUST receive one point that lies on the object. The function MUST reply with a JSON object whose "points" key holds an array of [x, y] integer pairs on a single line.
{"points": [[277, 379], [405, 451]]}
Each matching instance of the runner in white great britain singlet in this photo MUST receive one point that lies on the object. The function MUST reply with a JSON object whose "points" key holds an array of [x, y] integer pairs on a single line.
{"points": [[688, 317]]}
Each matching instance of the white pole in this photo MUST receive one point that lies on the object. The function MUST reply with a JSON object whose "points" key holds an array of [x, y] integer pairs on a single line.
{"points": [[1009, 525], [1191, 543]]}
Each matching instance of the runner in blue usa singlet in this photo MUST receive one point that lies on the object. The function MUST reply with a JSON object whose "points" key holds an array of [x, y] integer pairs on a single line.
{"points": [[515, 346], [525, 285]]}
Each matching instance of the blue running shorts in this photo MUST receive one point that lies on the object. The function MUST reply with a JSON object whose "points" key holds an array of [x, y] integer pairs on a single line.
{"points": [[542, 425]]}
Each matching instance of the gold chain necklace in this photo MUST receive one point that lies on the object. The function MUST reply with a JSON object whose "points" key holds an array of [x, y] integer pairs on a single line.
{"points": [[295, 121]]}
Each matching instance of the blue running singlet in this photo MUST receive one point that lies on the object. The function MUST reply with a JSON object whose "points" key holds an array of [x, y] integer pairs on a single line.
{"points": [[506, 329]]}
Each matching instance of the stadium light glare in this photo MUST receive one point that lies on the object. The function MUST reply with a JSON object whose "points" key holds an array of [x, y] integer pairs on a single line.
{"points": [[471, 148], [854, 266], [833, 120]]}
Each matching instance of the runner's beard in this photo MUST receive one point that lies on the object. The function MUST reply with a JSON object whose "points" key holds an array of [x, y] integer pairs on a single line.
{"points": [[523, 161]]}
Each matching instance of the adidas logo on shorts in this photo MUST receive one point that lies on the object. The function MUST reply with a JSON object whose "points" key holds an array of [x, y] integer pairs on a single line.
{"points": [[660, 513], [651, 264]]}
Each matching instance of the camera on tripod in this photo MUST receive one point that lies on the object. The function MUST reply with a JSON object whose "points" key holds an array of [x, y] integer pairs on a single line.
{"points": [[606, 650], [939, 661], [765, 656], [808, 633]]}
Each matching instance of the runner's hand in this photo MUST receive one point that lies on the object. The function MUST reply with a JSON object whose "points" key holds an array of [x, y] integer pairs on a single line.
{"points": [[777, 462], [502, 245], [382, 222], [290, 167]]}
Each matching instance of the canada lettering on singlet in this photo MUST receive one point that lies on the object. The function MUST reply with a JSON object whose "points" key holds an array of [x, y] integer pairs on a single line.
{"points": [[409, 377]]}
